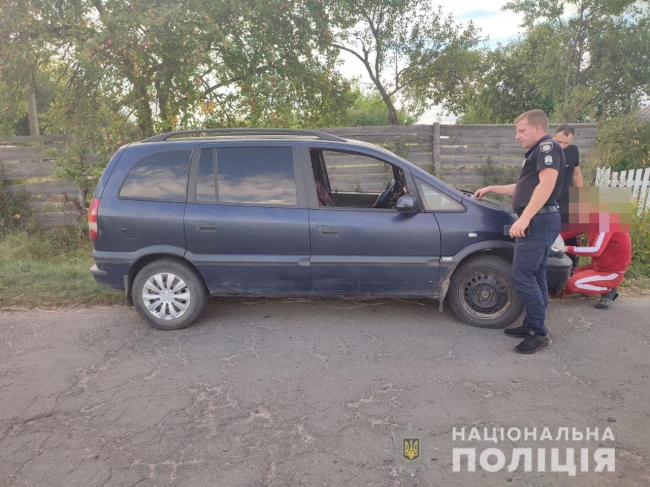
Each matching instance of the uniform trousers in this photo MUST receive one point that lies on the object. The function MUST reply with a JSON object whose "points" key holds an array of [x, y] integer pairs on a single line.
{"points": [[529, 268]]}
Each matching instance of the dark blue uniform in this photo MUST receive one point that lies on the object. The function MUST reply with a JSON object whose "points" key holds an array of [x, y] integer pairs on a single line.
{"points": [[531, 251]]}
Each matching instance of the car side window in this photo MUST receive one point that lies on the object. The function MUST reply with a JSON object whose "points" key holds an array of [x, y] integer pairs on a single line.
{"points": [[356, 180], [256, 175], [434, 200], [160, 177]]}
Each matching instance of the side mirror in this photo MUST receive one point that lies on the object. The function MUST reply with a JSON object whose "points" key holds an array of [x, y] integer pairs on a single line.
{"points": [[408, 204]]}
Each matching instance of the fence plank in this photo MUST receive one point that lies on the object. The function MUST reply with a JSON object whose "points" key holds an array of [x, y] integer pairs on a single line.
{"points": [[644, 185], [481, 151], [420, 158], [26, 170], [51, 220], [27, 139], [379, 130], [500, 141], [464, 171], [637, 183], [508, 130], [464, 181], [481, 161], [45, 188]]}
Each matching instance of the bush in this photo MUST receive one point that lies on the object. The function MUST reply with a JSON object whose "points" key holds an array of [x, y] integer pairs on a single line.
{"points": [[622, 143], [640, 236]]}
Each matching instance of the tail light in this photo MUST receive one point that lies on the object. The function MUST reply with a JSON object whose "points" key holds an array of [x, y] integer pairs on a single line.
{"points": [[92, 218]]}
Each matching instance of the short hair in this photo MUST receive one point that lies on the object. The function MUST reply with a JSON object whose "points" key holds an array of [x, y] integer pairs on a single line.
{"points": [[534, 117], [566, 129]]}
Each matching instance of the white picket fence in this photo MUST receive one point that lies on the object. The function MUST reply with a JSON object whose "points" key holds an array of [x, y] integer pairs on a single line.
{"points": [[636, 179]]}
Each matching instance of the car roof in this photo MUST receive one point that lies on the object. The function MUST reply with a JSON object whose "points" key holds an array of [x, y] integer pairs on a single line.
{"points": [[247, 133]]}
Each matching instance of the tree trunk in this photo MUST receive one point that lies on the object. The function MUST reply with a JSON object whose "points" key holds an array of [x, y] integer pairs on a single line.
{"points": [[392, 113], [145, 116]]}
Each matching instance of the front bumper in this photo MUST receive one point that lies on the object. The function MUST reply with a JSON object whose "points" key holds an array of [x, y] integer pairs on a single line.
{"points": [[558, 273]]}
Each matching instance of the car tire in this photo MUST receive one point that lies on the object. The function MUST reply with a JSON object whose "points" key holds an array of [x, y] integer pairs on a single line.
{"points": [[482, 294], [169, 294]]}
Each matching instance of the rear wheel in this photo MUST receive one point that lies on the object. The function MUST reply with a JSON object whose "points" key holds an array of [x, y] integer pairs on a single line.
{"points": [[481, 293], [169, 294]]}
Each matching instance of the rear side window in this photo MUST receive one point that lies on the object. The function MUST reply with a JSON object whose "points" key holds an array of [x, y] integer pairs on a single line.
{"points": [[256, 175], [160, 177]]}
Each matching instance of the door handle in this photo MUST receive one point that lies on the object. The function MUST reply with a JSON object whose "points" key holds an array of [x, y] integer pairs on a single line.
{"points": [[206, 227], [328, 232]]}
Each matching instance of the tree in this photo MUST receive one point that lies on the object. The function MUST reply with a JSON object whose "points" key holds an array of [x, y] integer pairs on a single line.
{"points": [[409, 49], [122, 70], [579, 59], [508, 86], [159, 60]]}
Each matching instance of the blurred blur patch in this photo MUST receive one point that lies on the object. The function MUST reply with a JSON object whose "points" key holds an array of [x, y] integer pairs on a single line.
{"points": [[587, 210]]}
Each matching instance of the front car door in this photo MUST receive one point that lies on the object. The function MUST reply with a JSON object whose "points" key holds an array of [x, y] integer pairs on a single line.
{"points": [[246, 220], [358, 247]]}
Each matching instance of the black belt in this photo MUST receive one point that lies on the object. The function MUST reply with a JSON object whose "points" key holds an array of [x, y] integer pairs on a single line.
{"points": [[544, 209]]}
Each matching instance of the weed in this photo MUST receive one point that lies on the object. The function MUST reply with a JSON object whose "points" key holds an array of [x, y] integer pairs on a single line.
{"points": [[13, 210]]}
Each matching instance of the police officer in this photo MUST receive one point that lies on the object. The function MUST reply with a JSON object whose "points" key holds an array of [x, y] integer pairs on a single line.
{"points": [[563, 135], [534, 199]]}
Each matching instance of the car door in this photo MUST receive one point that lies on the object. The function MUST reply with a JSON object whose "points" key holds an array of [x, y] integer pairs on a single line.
{"points": [[246, 221], [357, 249]]}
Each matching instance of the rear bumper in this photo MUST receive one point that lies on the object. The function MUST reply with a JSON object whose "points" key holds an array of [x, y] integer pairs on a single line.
{"points": [[109, 279], [558, 273]]}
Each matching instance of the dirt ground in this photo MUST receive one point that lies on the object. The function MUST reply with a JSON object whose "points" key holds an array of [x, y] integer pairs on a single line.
{"points": [[267, 392]]}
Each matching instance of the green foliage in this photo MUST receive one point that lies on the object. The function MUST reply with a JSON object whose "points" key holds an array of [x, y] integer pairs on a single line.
{"points": [[577, 60], [368, 109], [155, 63], [496, 175], [622, 143], [640, 236], [499, 175], [12, 210], [409, 49]]}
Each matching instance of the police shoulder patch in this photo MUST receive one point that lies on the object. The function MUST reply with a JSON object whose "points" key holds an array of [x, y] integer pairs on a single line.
{"points": [[548, 160], [546, 147]]}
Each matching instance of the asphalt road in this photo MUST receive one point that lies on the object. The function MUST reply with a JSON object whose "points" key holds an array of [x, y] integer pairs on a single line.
{"points": [[307, 393]]}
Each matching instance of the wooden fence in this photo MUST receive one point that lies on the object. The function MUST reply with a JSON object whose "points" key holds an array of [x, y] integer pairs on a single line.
{"points": [[31, 158], [458, 154], [638, 180]]}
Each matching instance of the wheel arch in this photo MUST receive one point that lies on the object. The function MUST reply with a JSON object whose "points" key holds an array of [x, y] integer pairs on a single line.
{"points": [[147, 259]]}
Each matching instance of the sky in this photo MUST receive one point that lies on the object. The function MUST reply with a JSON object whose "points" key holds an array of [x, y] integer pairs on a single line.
{"points": [[494, 23]]}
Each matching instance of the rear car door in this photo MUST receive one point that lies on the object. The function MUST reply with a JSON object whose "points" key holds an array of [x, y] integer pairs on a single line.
{"points": [[246, 221], [358, 249]]}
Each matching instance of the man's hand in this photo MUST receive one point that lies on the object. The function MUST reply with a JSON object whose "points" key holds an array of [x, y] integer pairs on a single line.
{"points": [[518, 228], [480, 193]]}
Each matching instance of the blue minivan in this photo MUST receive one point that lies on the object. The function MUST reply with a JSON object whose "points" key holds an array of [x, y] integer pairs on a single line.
{"points": [[186, 215]]}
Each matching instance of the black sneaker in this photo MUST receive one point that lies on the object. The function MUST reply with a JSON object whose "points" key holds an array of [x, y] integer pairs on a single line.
{"points": [[532, 343], [607, 300], [518, 332]]}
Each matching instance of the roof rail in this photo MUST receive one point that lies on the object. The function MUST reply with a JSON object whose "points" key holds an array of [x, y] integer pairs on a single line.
{"points": [[227, 132]]}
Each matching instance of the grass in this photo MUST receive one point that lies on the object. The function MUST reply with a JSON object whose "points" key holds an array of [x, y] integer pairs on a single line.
{"points": [[50, 270]]}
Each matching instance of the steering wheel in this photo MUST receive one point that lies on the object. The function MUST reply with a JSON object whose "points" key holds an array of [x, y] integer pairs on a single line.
{"points": [[384, 198]]}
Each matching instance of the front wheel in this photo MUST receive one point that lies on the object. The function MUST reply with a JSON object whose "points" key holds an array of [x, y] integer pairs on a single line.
{"points": [[169, 294], [481, 293]]}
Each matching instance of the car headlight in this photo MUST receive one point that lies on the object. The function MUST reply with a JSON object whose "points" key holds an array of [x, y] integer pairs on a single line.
{"points": [[558, 245]]}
